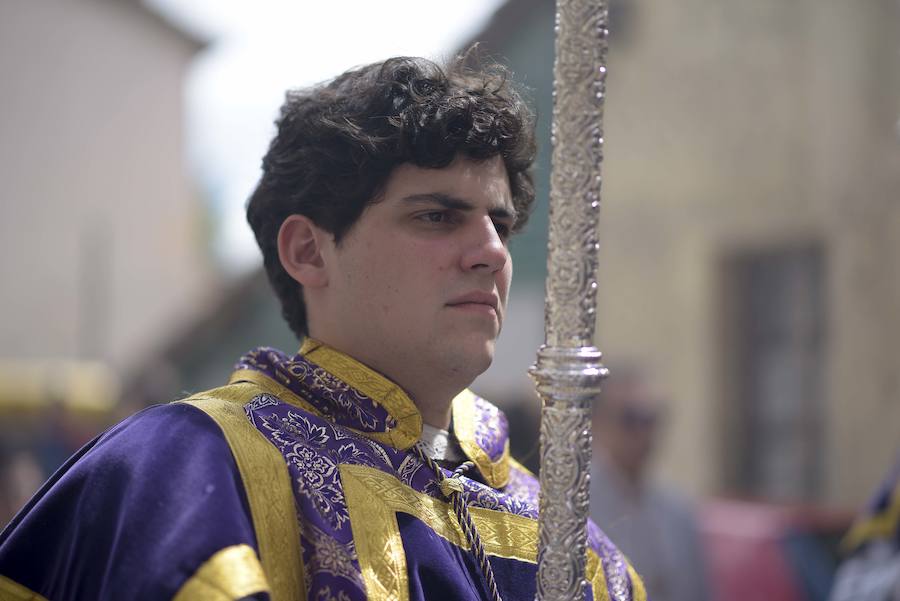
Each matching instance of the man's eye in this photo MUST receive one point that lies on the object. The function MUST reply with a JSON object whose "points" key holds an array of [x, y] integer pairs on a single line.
{"points": [[436, 217], [503, 230]]}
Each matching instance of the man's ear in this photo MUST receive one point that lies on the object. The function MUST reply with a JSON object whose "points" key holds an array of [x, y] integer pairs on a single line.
{"points": [[300, 251]]}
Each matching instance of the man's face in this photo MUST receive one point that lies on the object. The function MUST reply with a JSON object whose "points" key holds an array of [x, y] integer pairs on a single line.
{"points": [[420, 281]]}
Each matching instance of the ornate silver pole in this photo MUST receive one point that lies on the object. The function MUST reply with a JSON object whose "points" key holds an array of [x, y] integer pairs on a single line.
{"points": [[568, 371]]}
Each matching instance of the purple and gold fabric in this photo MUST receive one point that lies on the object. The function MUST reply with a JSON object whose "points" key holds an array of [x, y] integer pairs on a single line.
{"points": [[880, 521], [304, 477], [871, 570]]}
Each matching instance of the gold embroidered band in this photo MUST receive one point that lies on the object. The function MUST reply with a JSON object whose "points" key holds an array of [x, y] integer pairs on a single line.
{"points": [[232, 573], [496, 473], [10, 590], [268, 488]]}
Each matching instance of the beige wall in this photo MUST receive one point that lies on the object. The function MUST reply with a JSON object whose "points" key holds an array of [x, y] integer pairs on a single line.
{"points": [[103, 251], [746, 125]]}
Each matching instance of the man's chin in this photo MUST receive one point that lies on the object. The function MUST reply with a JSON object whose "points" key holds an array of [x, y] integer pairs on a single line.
{"points": [[476, 355]]}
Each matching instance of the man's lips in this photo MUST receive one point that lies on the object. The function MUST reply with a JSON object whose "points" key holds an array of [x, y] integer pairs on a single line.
{"points": [[476, 298]]}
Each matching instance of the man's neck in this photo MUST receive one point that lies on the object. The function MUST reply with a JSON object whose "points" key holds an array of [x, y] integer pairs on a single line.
{"points": [[435, 413], [432, 397]]}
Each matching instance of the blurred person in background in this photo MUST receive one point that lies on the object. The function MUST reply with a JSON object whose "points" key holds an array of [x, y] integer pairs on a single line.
{"points": [[384, 213], [20, 477], [652, 525], [871, 571]]}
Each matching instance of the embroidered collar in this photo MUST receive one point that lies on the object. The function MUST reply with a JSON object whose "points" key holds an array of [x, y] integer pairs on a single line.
{"points": [[326, 382]]}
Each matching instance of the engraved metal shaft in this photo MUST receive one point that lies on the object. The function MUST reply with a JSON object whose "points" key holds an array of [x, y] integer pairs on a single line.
{"points": [[568, 371]]}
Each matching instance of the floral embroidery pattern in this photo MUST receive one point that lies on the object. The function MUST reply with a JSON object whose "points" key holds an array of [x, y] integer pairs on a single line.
{"points": [[408, 468], [330, 396], [348, 401], [325, 555], [257, 403], [524, 488], [491, 428], [324, 594]]}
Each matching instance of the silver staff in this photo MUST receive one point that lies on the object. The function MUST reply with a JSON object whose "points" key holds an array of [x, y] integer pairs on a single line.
{"points": [[568, 371]]}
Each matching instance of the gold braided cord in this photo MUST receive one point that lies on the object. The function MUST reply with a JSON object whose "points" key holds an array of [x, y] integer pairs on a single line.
{"points": [[452, 489]]}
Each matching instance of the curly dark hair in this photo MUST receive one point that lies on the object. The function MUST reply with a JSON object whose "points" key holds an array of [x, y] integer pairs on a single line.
{"points": [[337, 144]]}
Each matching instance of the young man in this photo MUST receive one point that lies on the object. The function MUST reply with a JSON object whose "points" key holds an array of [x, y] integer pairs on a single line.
{"points": [[361, 467]]}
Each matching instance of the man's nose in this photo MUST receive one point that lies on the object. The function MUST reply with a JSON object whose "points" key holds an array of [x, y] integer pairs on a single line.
{"points": [[484, 248]]}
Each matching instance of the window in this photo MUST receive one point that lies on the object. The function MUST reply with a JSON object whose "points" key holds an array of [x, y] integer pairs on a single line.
{"points": [[774, 373]]}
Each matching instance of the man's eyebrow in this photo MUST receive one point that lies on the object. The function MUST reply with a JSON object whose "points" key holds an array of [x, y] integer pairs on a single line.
{"points": [[460, 204]]}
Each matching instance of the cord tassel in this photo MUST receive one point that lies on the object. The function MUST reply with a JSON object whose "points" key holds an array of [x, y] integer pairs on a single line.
{"points": [[452, 489]]}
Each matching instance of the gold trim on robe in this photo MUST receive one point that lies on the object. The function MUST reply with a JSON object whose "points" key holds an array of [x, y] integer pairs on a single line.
{"points": [[593, 571], [232, 573], [375, 386], [638, 592], [880, 525], [10, 590], [268, 487], [496, 473]]}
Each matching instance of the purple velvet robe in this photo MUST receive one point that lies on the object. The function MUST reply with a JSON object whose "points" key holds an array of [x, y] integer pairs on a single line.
{"points": [[295, 481]]}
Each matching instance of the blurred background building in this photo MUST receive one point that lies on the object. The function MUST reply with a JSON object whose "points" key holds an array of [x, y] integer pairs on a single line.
{"points": [[750, 228], [103, 232]]}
